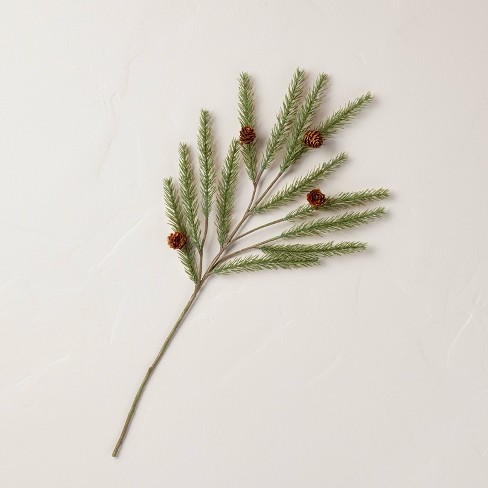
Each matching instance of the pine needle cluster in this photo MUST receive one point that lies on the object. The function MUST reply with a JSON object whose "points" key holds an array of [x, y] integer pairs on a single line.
{"points": [[189, 210]]}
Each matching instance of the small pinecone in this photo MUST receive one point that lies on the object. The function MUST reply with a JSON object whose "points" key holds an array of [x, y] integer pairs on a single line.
{"points": [[313, 138], [176, 240], [247, 135], [316, 198]]}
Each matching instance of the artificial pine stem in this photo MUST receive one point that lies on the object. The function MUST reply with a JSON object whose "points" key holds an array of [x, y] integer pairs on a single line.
{"points": [[151, 370], [294, 121]]}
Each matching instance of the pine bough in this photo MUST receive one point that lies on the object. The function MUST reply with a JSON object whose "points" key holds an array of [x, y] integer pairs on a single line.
{"points": [[189, 202]]}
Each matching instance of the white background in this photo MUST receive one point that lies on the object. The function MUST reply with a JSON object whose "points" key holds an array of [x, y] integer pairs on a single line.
{"points": [[371, 371]]}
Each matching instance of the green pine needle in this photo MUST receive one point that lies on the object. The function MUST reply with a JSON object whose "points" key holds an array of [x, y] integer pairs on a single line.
{"points": [[246, 101], [344, 115], [319, 250], [189, 195], [284, 118], [226, 192], [340, 201], [296, 148], [258, 263], [174, 211], [176, 219], [250, 159], [298, 186], [329, 224], [247, 117], [187, 258], [207, 165]]}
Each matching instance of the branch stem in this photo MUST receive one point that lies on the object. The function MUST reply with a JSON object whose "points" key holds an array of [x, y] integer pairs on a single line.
{"points": [[274, 222], [267, 190], [151, 370], [245, 249]]}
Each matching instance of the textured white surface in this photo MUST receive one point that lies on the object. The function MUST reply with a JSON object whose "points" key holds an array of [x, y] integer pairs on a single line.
{"points": [[370, 372]]}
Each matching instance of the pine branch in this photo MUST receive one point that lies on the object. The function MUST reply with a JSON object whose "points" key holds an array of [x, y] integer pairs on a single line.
{"points": [[176, 219], [319, 250], [298, 186], [284, 118], [247, 117], [335, 223], [296, 148], [207, 165], [344, 115], [258, 263], [226, 192], [340, 201], [293, 120], [189, 195]]}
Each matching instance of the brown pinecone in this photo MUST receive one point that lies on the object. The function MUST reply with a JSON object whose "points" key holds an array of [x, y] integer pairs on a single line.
{"points": [[247, 135], [177, 240], [313, 138], [316, 198]]}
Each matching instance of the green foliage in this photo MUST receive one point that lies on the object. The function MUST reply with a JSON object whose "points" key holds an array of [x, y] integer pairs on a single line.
{"points": [[340, 201], [298, 186], [174, 210], [207, 164], [318, 250], [284, 118], [344, 115], [189, 195], [226, 192], [296, 148], [288, 256], [295, 117], [329, 224], [258, 263], [248, 117], [246, 101], [176, 219], [187, 258]]}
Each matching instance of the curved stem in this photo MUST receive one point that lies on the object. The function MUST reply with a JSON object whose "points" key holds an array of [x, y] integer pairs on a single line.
{"points": [[151, 370], [259, 228], [245, 249]]}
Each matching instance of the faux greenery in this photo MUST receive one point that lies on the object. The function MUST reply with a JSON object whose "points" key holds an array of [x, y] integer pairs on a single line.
{"points": [[189, 202]]}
